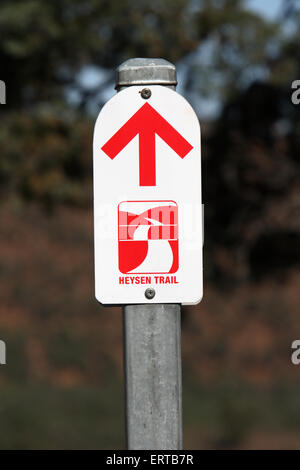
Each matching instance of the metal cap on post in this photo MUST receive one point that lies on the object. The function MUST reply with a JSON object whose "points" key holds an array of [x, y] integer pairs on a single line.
{"points": [[152, 331], [146, 72]]}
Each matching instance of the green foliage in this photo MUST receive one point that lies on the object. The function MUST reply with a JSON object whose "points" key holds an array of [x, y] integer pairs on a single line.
{"points": [[43, 417], [45, 146], [227, 414], [66, 350], [45, 44], [46, 157]]}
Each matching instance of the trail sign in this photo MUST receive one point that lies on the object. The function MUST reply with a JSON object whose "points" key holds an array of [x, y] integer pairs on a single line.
{"points": [[147, 199]]}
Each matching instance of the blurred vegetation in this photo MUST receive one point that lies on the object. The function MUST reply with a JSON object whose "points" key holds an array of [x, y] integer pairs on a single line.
{"points": [[45, 45], [46, 158], [230, 54], [62, 386], [44, 417], [230, 412]]}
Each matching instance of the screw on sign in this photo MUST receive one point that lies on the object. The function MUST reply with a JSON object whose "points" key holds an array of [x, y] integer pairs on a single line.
{"points": [[148, 238], [146, 93]]}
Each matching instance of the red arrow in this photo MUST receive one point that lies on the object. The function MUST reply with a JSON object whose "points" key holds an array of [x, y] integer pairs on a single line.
{"points": [[146, 122]]}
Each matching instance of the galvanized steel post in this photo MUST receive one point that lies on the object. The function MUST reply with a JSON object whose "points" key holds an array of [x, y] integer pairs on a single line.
{"points": [[152, 332]]}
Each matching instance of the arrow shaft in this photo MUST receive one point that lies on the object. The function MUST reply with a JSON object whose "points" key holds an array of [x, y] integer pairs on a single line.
{"points": [[147, 166]]}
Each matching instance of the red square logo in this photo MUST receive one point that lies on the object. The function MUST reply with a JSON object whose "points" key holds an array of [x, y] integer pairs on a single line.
{"points": [[148, 237]]}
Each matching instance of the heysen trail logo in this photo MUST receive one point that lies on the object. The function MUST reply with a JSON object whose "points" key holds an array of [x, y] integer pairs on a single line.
{"points": [[2, 92], [148, 237]]}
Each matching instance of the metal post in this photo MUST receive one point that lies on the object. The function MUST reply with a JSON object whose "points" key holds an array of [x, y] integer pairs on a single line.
{"points": [[152, 333], [153, 376]]}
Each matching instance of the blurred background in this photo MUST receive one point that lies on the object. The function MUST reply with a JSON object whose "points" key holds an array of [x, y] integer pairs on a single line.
{"points": [[62, 386]]}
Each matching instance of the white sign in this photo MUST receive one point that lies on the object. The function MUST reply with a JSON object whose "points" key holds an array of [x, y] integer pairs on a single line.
{"points": [[147, 199]]}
